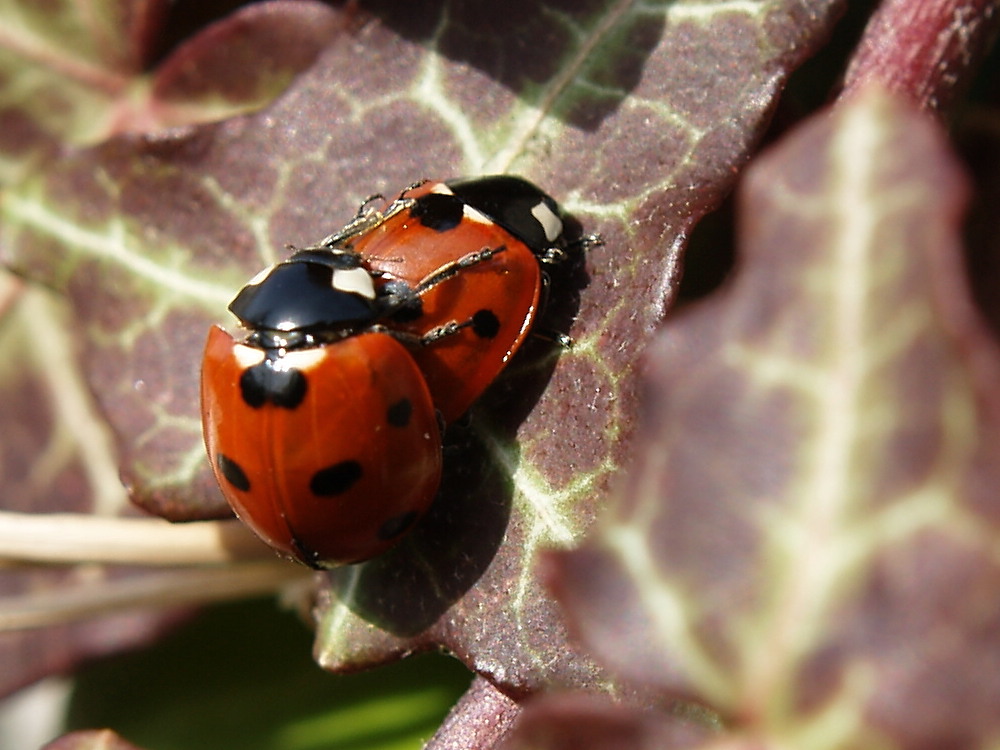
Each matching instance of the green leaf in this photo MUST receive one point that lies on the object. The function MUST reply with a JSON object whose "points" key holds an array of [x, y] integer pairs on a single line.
{"points": [[241, 676]]}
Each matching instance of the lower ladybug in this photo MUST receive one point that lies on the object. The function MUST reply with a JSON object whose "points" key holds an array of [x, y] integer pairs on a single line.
{"points": [[322, 423], [328, 454], [320, 430]]}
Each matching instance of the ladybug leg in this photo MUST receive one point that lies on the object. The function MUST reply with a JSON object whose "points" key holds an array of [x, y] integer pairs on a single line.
{"points": [[556, 254], [586, 242], [448, 270], [364, 207], [551, 335], [558, 338], [411, 186], [484, 323], [365, 220]]}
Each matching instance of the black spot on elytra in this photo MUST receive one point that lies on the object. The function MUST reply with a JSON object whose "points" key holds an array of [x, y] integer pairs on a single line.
{"points": [[485, 324], [399, 413], [396, 525], [233, 473], [263, 383], [336, 479], [438, 212]]}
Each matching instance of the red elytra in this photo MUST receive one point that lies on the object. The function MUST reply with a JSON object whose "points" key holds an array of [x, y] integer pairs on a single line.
{"points": [[498, 294], [329, 453]]}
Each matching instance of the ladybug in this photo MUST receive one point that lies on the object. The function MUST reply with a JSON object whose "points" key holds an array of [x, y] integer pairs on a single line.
{"points": [[323, 422], [321, 432], [470, 251]]}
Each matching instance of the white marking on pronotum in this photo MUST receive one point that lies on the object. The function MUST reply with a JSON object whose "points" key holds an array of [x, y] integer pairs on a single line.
{"points": [[247, 356], [299, 359], [549, 219], [356, 281]]}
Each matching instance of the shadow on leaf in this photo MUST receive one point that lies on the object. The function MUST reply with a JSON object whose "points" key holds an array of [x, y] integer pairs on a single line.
{"points": [[407, 589], [560, 55]]}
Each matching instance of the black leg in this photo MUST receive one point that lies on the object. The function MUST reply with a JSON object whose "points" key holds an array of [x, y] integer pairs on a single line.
{"points": [[448, 270]]}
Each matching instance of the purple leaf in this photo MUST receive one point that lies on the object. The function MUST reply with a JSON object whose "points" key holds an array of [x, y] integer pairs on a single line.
{"points": [[808, 532], [69, 77], [637, 118], [575, 721], [924, 50], [479, 721], [464, 579], [74, 73]]}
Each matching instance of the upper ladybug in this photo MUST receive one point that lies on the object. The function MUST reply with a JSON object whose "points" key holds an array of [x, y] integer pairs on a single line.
{"points": [[470, 251]]}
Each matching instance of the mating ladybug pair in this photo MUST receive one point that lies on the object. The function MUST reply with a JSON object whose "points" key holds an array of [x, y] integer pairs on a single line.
{"points": [[323, 423]]}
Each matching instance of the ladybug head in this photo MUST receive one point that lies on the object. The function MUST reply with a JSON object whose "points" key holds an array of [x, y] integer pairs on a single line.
{"points": [[314, 296]]}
